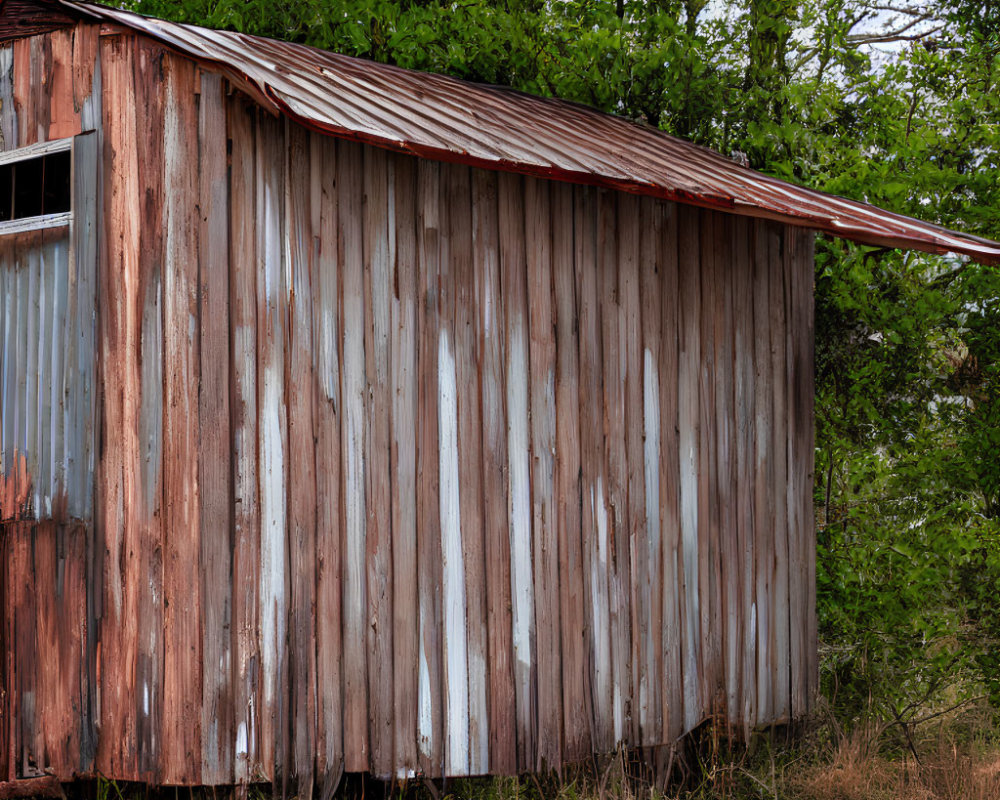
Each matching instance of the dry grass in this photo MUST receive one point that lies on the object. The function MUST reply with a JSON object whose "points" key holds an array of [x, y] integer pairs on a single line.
{"points": [[958, 760]]}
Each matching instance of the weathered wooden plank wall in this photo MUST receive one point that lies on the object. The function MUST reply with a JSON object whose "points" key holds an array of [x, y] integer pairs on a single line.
{"points": [[405, 467]]}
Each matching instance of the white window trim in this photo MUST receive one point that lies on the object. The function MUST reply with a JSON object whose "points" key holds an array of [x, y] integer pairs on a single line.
{"points": [[44, 221]]}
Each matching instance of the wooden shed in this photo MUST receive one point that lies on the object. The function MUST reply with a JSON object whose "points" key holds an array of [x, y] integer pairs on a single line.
{"points": [[354, 418]]}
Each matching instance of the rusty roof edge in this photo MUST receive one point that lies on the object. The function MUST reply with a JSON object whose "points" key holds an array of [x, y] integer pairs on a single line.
{"points": [[809, 208]]}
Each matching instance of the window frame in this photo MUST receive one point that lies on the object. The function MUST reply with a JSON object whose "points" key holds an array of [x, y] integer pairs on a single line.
{"points": [[42, 222]]}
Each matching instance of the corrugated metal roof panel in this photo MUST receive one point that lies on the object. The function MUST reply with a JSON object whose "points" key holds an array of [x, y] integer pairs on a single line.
{"points": [[486, 126]]}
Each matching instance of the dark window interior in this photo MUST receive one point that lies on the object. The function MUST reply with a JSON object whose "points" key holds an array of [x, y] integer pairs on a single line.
{"points": [[35, 186]]}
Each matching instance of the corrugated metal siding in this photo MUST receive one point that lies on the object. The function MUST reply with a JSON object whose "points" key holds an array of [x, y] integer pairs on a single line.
{"points": [[45, 434], [452, 120]]}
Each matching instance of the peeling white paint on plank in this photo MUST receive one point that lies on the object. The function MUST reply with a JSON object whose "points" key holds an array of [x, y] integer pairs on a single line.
{"points": [[456, 697], [272, 414], [518, 453], [651, 457], [599, 603], [689, 369]]}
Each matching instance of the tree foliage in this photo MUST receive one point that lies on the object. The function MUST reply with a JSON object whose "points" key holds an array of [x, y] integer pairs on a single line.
{"points": [[908, 345]]}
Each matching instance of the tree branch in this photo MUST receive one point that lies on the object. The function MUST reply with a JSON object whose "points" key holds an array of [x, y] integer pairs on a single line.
{"points": [[922, 13], [893, 36]]}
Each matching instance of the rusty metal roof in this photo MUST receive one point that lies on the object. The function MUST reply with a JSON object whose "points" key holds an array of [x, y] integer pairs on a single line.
{"points": [[487, 126]]}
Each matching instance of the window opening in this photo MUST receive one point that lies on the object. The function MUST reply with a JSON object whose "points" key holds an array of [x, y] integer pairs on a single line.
{"points": [[35, 187]]}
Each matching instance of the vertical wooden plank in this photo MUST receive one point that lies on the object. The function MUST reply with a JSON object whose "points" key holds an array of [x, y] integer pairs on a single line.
{"points": [[515, 299], [763, 474], [6, 645], [403, 479], [490, 308], [28, 422], [779, 622], [594, 528], [430, 722], [572, 589], [726, 448], [670, 487], [636, 553], [24, 613], [149, 664], [243, 391], [691, 470], [118, 472], [470, 457], [62, 111], [56, 575], [272, 443], [613, 324], [538, 250], [744, 344], [798, 303], [182, 615], [326, 289], [708, 486], [40, 412], [378, 249], [794, 483], [808, 393], [8, 113], [651, 220], [81, 366], [214, 467], [302, 456], [8, 283], [29, 67], [63, 345], [453, 587], [81, 357], [22, 337], [36, 126], [86, 74], [353, 395], [8, 699]]}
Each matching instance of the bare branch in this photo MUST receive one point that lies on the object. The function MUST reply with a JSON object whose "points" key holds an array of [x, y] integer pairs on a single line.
{"points": [[894, 36], [923, 13], [804, 58]]}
